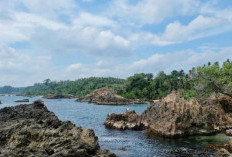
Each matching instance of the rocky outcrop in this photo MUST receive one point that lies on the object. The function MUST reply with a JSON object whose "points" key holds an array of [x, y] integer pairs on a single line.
{"points": [[222, 150], [58, 96], [23, 100], [128, 120], [174, 116], [32, 130], [107, 96]]}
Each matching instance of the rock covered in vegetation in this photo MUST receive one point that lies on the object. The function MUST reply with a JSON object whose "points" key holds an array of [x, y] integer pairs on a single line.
{"points": [[128, 120], [23, 100], [107, 96], [59, 96], [32, 130], [174, 116]]}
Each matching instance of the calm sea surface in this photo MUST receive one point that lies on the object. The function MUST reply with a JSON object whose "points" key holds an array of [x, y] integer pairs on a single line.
{"points": [[137, 143]]}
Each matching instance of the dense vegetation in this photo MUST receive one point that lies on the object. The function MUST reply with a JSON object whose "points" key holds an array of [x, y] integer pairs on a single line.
{"points": [[79, 87], [199, 82]]}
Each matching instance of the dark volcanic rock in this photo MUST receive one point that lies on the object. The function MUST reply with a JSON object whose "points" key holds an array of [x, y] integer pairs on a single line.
{"points": [[24, 100], [59, 96], [128, 120], [174, 116], [107, 96], [32, 130]]}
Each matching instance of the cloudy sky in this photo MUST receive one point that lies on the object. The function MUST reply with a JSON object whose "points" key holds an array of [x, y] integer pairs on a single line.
{"points": [[71, 39]]}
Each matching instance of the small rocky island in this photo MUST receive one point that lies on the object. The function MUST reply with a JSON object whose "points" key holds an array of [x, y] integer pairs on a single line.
{"points": [[23, 100], [59, 96], [174, 116], [107, 96], [32, 130]]}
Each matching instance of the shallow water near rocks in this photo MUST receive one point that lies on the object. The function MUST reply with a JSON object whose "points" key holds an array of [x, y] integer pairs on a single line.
{"points": [[137, 143]]}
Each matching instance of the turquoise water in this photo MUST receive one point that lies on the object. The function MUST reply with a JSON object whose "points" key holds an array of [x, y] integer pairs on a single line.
{"points": [[137, 143]]}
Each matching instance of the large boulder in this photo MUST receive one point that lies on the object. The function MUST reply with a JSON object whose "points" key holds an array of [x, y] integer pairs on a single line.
{"points": [[32, 130], [128, 120], [58, 96], [107, 96]]}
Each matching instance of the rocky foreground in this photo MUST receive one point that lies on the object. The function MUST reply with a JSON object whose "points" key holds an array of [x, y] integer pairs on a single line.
{"points": [[107, 96], [174, 116], [32, 130]]}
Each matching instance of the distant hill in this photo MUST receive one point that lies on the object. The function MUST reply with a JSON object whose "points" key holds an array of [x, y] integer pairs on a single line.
{"points": [[12, 90], [78, 87]]}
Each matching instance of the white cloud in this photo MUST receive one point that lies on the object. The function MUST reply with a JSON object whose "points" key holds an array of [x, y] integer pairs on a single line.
{"points": [[87, 40], [21, 69], [158, 62], [200, 27], [87, 19], [152, 11]]}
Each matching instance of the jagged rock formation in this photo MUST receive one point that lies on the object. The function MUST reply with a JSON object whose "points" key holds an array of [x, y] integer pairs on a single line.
{"points": [[107, 96], [174, 116], [128, 120], [58, 96], [32, 130], [24, 100]]}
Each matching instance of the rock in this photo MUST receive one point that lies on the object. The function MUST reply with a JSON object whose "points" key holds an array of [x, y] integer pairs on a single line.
{"points": [[128, 120], [107, 96], [59, 96], [32, 130], [185, 152], [229, 132], [24, 100], [0, 102], [123, 149], [223, 150], [174, 116]]}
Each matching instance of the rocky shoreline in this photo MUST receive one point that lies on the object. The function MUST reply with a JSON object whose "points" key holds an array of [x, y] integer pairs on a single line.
{"points": [[32, 130], [58, 96], [174, 117], [107, 96]]}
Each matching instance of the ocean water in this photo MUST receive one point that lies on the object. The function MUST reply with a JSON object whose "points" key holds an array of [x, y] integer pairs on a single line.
{"points": [[137, 143]]}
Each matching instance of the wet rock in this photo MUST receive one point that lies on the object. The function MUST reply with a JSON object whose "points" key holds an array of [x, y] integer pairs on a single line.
{"points": [[107, 96], [23, 100], [128, 120], [58, 96], [0, 102], [32, 130]]}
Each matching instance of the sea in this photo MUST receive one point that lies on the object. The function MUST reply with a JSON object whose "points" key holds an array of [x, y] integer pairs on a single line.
{"points": [[135, 143]]}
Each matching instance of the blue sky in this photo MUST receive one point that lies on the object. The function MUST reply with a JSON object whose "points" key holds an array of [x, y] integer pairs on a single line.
{"points": [[71, 39]]}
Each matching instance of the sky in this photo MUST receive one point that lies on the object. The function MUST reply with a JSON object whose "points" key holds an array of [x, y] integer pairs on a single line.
{"points": [[71, 39]]}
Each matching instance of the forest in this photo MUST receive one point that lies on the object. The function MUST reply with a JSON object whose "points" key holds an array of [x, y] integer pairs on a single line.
{"points": [[201, 81]]}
